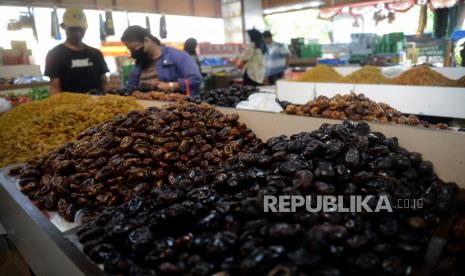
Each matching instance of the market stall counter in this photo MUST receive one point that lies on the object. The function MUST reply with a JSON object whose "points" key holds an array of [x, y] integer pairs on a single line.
{"points": [[51, 251]]}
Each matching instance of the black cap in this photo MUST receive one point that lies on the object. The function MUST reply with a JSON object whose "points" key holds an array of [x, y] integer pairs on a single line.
{"points": [[267, 34]]}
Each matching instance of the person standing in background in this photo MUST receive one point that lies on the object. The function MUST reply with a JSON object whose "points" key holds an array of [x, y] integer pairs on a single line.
{"points": [[254, 58], [277, 59], [462, 54], [160, 67], [190, 46], [74, 66]]}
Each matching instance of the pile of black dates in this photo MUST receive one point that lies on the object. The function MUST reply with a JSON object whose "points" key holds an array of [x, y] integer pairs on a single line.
{"points": [[121, 91], [228, 97], [452, 259], [221, 227], [283, 104]]}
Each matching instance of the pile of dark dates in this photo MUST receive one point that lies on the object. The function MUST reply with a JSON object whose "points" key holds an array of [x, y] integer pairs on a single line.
{"points": [[453, 256], [220, 226], [133, 154], [125, 91], [228, 97], [128, 91]]}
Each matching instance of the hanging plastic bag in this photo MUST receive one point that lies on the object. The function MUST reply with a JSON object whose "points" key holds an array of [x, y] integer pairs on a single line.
{"points": [[440, 22], [55, 25], [33, 23], [163, 30], [454, 14], [109, 27], [147, 24], [4, 105], [103, 33]]}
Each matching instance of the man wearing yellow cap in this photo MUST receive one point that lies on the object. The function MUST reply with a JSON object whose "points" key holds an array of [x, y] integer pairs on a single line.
{"points": [[74, 66]]}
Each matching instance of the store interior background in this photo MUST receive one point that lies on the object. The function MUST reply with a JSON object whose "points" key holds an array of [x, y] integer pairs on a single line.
{"points": [[180, 28], [219, 24], [220, 28]]}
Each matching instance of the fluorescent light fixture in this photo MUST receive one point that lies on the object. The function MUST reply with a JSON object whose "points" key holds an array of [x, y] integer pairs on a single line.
{"points": [[304, 5], [316, 3]]}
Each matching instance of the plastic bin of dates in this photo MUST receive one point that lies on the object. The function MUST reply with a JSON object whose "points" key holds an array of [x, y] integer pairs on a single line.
{"points": [[356, 108], [221, 227]]}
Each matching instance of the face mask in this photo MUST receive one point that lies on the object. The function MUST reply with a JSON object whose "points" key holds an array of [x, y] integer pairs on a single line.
{"points": [[138, 54], [75, 34], [142, 57]]}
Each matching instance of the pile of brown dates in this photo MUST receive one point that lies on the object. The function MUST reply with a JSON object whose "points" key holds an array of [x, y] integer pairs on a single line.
{"points": [[356, 108], [228, 97], [160, 96], [133, 154], [221, 226]]}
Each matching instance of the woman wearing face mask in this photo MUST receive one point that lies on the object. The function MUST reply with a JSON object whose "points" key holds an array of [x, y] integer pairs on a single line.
{"points": [[190, 46], [160, 67], [254, 58]]}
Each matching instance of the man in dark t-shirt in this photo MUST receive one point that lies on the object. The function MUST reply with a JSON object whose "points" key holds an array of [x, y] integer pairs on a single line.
{"points": [[73, 66]]}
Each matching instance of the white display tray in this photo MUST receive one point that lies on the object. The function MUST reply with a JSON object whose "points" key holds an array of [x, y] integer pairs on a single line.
{"points": [[419, 100], [53, 217]]}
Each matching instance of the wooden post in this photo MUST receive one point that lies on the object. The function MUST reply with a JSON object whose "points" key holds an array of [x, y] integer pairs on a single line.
{"points": [[447, 58], [192, 4]]}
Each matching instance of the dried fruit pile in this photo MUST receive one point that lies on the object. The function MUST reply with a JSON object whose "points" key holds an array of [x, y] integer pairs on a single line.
{"points": [[453, 257], [221, 226], [160, 96], [228, 97], [36, 127], [132, 154], [366, 74], [356, 107], [321, 73], [422, 75]]}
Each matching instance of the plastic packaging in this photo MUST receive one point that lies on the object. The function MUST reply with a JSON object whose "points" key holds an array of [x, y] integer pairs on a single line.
{"points": [[4, 105], [261, 102], [392, 72]]}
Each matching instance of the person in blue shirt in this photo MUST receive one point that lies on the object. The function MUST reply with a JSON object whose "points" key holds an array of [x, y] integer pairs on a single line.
{"points": [[277, 59], [160, 67]]}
